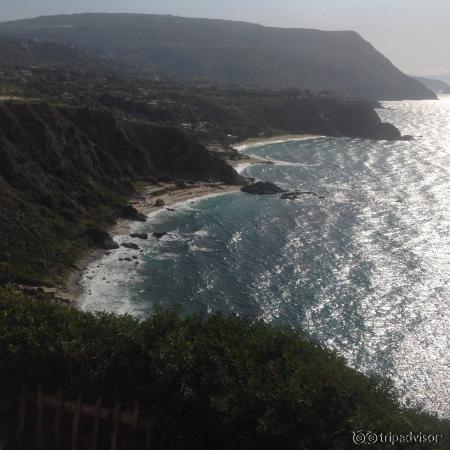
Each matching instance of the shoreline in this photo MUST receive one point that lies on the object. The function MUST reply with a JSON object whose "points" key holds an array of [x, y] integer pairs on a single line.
{"points": [[171, 194], [241, 164], [255, 142]]}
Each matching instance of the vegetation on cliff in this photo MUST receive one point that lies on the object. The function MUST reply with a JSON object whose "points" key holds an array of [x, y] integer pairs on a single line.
{"points": [[237, 53], [216, 113], [58, 73], [214, 383], [74, 142], [66, 169]]}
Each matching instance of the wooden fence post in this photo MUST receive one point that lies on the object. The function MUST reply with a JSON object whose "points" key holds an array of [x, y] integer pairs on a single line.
{"points": [[96, 424], [115, 416], [40, 417], [149, 434], [115, 425], [57, 423], [75, 425], [21, 418], [136, 416]]}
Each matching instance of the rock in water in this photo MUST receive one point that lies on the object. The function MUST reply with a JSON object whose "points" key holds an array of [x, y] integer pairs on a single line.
{"points": [[130, 245], [289, 196], [101, 239], [142, 236], [296, 194], [262, 188], [159, 235], [131, 213]]}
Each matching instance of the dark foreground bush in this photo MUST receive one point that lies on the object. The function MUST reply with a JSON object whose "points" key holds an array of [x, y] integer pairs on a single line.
{"points": [[215, 383]]}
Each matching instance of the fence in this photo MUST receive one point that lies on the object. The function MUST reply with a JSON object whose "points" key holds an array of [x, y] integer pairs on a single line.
{"points": [[43, 418]]}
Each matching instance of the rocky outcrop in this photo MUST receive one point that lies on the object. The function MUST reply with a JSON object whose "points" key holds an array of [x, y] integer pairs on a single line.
{"points": [[328, 115], [296, 194], [159, 235], [101, 239], [131, 213], [407, 137], [142, 236], [130, 245], [262, 188]]}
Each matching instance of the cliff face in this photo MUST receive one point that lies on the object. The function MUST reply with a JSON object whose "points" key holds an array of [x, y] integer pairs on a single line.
{"points": [[247, 114], [231, 52], [331, 116], [64, 169]]}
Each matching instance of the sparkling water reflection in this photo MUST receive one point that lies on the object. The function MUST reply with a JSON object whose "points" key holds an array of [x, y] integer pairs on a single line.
{"points": [[364, 270]]}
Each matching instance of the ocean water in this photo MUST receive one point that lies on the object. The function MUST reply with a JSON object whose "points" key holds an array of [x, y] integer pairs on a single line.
{"points": [[364, 270]]}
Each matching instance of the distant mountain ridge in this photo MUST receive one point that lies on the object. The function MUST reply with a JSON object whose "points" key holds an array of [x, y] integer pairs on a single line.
{"points": [[437, 86], [229, 52], [23, 53]]}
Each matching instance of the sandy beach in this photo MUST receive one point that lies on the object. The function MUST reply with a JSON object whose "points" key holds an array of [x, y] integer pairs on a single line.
{"points": [[241, 164], [254, 142], [248, 160], [170, 194]]}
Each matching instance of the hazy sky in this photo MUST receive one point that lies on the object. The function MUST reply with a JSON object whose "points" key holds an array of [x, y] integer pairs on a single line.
{"points": [[414, 34]]}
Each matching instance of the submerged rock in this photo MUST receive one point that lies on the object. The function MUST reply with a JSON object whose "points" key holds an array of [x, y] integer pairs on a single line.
{"points": [[159, 235], [296, 194], [131, 213], [289, 196], [142, 236], [101, 239], [262, 188], [130, 245]]}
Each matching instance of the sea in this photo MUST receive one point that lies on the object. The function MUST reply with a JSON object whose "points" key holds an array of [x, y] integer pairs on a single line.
{"points": [[360, 262]]}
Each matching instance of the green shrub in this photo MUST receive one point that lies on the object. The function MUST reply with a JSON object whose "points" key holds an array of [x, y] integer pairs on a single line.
{"points": [[211, 383]]}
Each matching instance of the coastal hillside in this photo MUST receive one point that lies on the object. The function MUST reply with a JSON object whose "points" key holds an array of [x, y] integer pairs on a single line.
{"points": [[65, 169], [29, 53], [235, 53], [226, 115], [77, 137], [75, 143], [213, 114]]}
